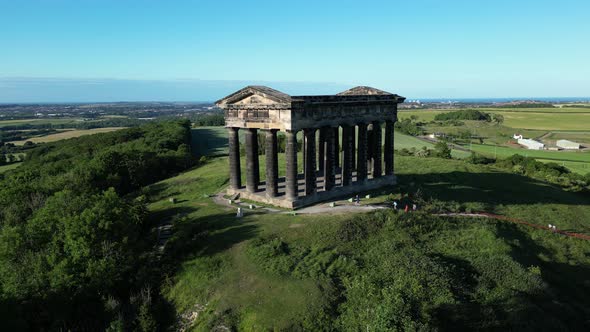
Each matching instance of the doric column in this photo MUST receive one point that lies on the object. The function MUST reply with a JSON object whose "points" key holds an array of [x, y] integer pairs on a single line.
{"points": [[388, 148], [309, 163], [377, 154], [337, 147], [347, 152], [370, 147], [330, 165], [256, 158], [361, 158], [321, 149], [353, 136], [235, 176], [291, 161], [272, 163], [252, 170]]}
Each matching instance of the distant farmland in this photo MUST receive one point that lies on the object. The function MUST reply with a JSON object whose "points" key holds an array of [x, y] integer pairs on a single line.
{"points": [[67, 134], [533, 118]]}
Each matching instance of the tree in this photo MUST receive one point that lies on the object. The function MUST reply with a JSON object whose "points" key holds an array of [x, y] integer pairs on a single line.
{"points": [[497, 118], [442, 150]]}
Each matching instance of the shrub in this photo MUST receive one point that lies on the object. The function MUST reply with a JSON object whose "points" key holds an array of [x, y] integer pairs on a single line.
{"points": [[442, 150], [475, 158]]}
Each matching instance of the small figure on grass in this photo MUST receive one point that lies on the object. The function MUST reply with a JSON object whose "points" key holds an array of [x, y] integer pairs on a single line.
{"points": [[357, 200]]}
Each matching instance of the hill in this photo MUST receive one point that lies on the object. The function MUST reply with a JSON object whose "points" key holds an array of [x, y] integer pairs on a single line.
{"points": [[81, 220], [382, 270]]}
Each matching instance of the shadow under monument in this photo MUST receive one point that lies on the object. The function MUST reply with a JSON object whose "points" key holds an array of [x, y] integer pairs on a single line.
{"points": [[490, 188]]}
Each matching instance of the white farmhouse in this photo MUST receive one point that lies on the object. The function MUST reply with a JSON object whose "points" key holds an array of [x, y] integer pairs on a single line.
{"points": [[531, 144], [517, 136], [567, 145]]}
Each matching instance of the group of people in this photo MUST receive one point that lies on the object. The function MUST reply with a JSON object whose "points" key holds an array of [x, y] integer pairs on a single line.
{"points": [[406, 208]]}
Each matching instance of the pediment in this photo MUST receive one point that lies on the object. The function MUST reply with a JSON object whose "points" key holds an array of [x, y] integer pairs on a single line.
{"points": [[363, 91], [255, 95]]}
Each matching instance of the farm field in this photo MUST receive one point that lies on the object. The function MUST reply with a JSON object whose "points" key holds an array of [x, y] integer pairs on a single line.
{"points": [[67, 134], [536, 119], [276, 271], [4, 123]]}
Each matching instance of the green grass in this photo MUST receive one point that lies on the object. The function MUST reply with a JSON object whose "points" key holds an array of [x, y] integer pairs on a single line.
{"points": [[274, 271], [574, 166], [547, 121], [491, 133], [5, 168], [582, 159]]}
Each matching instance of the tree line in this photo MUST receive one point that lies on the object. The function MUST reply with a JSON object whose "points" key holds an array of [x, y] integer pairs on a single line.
{"points": [[74, 238]]}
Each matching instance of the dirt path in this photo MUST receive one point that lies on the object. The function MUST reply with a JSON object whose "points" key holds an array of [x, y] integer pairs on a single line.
{"points": [[347, 207]]}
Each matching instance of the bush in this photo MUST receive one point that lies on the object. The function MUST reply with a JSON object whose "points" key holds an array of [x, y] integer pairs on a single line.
{"points": [[408, 127], [478, 159], [442, 150]]}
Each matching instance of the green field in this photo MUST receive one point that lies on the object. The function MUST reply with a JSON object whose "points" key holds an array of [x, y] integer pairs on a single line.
{"points": [[4, 123], [66, 134], [535, 119], [580, 160], [5, 168], [283, 272], [547, 124]]}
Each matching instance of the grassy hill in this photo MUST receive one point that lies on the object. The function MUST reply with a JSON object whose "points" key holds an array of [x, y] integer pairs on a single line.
{"points": [[379, 270]]}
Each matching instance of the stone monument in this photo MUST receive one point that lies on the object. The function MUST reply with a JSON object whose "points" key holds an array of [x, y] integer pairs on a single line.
{"points": [[342, 148]]}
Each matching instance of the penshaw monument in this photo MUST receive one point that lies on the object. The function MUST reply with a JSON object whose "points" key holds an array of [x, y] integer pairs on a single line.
{"points": [[344, 149]]}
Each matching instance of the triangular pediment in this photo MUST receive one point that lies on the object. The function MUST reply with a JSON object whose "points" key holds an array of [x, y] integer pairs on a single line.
{"points": [[363, 91], [255, 95]]}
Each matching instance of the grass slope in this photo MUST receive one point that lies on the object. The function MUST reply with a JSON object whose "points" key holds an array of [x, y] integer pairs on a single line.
{"points": [[379, 270], [5, 168]]}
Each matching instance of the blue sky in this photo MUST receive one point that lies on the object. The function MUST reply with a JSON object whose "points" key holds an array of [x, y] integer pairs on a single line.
{"points": [[419, 49]]}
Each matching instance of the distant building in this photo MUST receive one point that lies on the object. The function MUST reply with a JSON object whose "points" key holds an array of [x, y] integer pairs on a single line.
{"points": [[567, 145], [518, 136], [437, 135], [531, 144]]}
